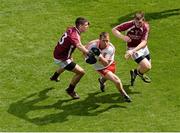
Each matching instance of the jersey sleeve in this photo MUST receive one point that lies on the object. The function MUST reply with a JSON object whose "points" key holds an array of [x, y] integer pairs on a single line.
{"points": [[145, 32], [124, 26], [75, 39]]}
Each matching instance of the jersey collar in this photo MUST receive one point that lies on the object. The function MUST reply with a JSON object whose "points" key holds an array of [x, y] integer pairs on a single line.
{"points": [[78, 30]]}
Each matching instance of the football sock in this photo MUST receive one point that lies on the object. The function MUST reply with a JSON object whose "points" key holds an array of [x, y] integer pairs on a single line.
{"points": [[55, 76], [139, 73], [103, 80], [70, 88], [122, 93], [135, 72]]}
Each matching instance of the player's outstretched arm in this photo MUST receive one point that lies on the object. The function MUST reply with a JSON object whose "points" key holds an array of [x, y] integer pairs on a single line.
{"points": [[82, 48], [120, 35]]}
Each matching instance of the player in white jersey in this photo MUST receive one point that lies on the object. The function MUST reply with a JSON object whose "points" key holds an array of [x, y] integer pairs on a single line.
{"points": [[105, 64]]}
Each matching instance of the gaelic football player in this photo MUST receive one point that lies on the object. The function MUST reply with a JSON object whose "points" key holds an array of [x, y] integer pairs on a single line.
{"points": [[137, 31]]}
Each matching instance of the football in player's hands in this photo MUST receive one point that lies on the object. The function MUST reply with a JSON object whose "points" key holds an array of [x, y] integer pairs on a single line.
{"points": [[95, 51], [90, 59]]}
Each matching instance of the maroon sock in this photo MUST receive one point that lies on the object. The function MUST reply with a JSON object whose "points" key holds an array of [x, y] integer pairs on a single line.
{"points": [[71, 88], [55, 76]]}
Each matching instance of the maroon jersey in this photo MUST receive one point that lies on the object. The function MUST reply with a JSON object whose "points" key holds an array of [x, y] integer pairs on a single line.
{"points": [[67, 44], [136, 34]]}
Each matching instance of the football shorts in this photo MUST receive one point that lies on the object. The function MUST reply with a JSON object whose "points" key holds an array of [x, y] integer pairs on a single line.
{"points": [[67, 64], [142, 53], [111, 68]]}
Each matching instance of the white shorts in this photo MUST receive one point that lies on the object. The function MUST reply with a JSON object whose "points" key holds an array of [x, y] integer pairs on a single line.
{"points": [[61, 63], [140, 53]]}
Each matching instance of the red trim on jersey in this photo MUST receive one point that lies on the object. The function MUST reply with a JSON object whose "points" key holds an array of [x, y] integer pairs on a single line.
{"points": [[103, 48], [98, 44]]}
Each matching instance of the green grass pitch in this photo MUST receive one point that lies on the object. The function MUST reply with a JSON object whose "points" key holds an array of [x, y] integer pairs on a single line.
{"points": [[29, 30]]}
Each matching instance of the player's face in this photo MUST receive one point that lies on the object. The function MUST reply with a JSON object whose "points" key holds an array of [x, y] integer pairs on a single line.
{"points": [[104, 41], [139, 23], [84, 27]]}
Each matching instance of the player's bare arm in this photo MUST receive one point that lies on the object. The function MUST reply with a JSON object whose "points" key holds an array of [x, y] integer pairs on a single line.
{"points": [[88, 44], [82, 48], [140, 46], [120, 35], [129, 53], [103, 60]]}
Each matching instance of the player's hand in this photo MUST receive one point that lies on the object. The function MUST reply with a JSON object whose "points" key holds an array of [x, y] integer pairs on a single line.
{"points": [[90, 59], [126, 38], [128, 54], [72, 59]]}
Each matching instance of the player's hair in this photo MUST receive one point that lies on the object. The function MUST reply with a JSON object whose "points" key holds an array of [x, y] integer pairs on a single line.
{"points": [[139, 15], [81, 21], [103, 34]]}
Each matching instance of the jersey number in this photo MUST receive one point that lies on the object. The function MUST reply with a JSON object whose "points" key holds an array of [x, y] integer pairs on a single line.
{"points": [[61, 41]]}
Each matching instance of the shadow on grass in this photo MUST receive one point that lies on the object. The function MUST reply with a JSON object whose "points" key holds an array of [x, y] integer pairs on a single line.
{"points": [[93, 105], [129, 91], [149, 16]]}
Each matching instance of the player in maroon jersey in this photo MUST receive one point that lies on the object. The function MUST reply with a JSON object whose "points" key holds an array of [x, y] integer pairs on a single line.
{"points": [[66, 45], [136, 38]]}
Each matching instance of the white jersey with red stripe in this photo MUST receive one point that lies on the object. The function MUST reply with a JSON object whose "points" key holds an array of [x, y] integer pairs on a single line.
{"points": [[107, 53]]}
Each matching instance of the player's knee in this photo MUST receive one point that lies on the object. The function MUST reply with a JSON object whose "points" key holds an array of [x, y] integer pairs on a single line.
{"points": [[117, 81], [148, 66]]}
